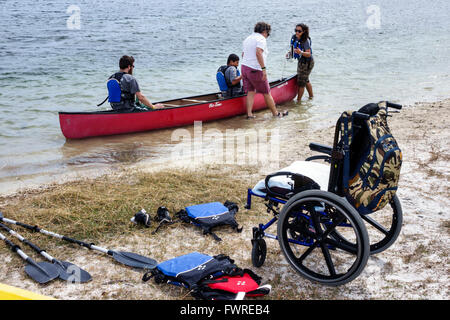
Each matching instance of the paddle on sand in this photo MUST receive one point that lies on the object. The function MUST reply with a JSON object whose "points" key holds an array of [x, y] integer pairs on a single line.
{"points": [[127, 258], [67, 271], [41, 272]]}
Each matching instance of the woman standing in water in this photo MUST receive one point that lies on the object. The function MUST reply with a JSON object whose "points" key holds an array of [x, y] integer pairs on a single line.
{"points": [[301, 50]]}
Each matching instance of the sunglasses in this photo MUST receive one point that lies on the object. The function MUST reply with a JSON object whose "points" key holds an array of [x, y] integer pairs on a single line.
{"points": [[300, 31]]}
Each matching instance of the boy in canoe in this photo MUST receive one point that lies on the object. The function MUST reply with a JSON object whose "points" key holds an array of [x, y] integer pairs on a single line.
{"points": [[233, 77], [125, 89]]}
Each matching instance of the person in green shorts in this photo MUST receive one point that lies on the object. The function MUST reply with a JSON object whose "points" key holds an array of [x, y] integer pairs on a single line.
{"points": [[301, 50]]}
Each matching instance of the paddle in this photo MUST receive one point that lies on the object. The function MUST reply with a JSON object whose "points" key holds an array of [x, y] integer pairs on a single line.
{"points": [[67, 271], [127, 258], [41, 272]]}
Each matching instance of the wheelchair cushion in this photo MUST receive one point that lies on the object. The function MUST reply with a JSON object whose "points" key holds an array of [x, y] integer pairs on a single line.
{"points": [[318, 172]]}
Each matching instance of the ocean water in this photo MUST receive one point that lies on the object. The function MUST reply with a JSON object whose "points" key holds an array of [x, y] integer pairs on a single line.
{"points": [[56, 55]]}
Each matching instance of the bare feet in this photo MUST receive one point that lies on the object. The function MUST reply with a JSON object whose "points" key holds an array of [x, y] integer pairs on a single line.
{"points": [[282, 114]]}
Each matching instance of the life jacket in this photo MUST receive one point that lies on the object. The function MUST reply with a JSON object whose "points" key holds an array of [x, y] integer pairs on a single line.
{"points": [[248, 282], [222, 81], [210, 215], [207, 277], [115, 92], [295, 43]]}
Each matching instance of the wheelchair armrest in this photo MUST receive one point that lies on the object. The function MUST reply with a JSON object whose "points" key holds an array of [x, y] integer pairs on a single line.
{"points": [[319, 157], [320, 148], [270, 176], [306, 184]]}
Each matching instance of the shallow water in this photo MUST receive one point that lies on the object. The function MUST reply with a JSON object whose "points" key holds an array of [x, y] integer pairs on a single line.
{"points": [[364, 51]]}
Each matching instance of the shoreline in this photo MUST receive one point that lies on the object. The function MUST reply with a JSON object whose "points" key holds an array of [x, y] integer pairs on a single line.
{"points": [[415, 267]]}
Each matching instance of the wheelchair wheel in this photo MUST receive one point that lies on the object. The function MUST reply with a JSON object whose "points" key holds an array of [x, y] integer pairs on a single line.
{"points": [[259, 252], [383, 226], [304, 231]]}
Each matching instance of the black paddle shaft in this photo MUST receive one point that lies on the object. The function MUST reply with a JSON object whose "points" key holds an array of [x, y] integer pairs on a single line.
{"points": [[67, 271], [41, 272], [127, 258], [14, 247], [37, 229], [28, 243]]}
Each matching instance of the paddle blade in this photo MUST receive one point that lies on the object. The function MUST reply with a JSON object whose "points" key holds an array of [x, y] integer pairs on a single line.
{"points": [[72, 273], [134, 260], [42, 272]]}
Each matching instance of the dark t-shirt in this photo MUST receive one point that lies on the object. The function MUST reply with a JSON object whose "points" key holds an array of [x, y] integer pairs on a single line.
{"points": [[230, 75], [128, 83], [303, 46]]}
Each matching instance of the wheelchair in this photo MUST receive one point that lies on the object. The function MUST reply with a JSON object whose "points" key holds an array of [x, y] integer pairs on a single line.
{"points": [[322, 234]]}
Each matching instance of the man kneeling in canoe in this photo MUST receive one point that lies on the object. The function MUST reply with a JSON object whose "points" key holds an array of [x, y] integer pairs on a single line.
{"points": [[123, 89]]}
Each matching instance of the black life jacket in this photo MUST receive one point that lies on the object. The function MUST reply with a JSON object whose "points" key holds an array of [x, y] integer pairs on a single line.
{"points": [[223, 82], [207, 277], [115, 92]]}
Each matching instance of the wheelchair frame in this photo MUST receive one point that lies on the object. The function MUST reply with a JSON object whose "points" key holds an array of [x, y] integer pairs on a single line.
{"points": [[339, 158]]}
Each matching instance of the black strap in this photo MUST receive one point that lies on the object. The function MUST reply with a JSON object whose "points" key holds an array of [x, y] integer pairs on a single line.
{"points": [[217, 238], [161, 223], [103, 101], [147, 276]]}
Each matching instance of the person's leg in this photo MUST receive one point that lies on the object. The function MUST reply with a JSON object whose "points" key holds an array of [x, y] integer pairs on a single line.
{"points": [[270, 103], [310, 90], [303, 71], [250, 99], [248, 89], [301, 90], [308, 84]]}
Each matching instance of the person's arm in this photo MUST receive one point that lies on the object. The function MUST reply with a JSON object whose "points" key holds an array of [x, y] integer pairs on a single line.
{"points": [[236, 80], [233, 75], [143, 99], [260, 58], [306, 53]]}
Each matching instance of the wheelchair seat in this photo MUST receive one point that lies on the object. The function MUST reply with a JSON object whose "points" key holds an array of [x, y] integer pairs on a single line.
{"points": [[283, 184]]}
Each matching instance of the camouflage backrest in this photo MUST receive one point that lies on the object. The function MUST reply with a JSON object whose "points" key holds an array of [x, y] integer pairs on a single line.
{"points": [[373, 181]]}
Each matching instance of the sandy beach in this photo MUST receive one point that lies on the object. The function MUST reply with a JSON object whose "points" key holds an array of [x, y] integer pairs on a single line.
{"points": [[416, 266]]}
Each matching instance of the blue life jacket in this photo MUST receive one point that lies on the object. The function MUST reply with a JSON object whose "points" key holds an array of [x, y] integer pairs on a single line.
{"points": [[210, 215], [295, 43], [208, 277], [190, 269], [115, 93], [222, 81]]}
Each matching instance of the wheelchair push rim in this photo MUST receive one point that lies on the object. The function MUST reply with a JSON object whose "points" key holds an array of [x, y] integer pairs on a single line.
{"points": [[311, 217], [383, 226]]}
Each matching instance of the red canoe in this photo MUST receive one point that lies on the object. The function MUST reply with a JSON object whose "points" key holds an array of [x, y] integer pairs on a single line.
{"points": [[179, 112]]}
